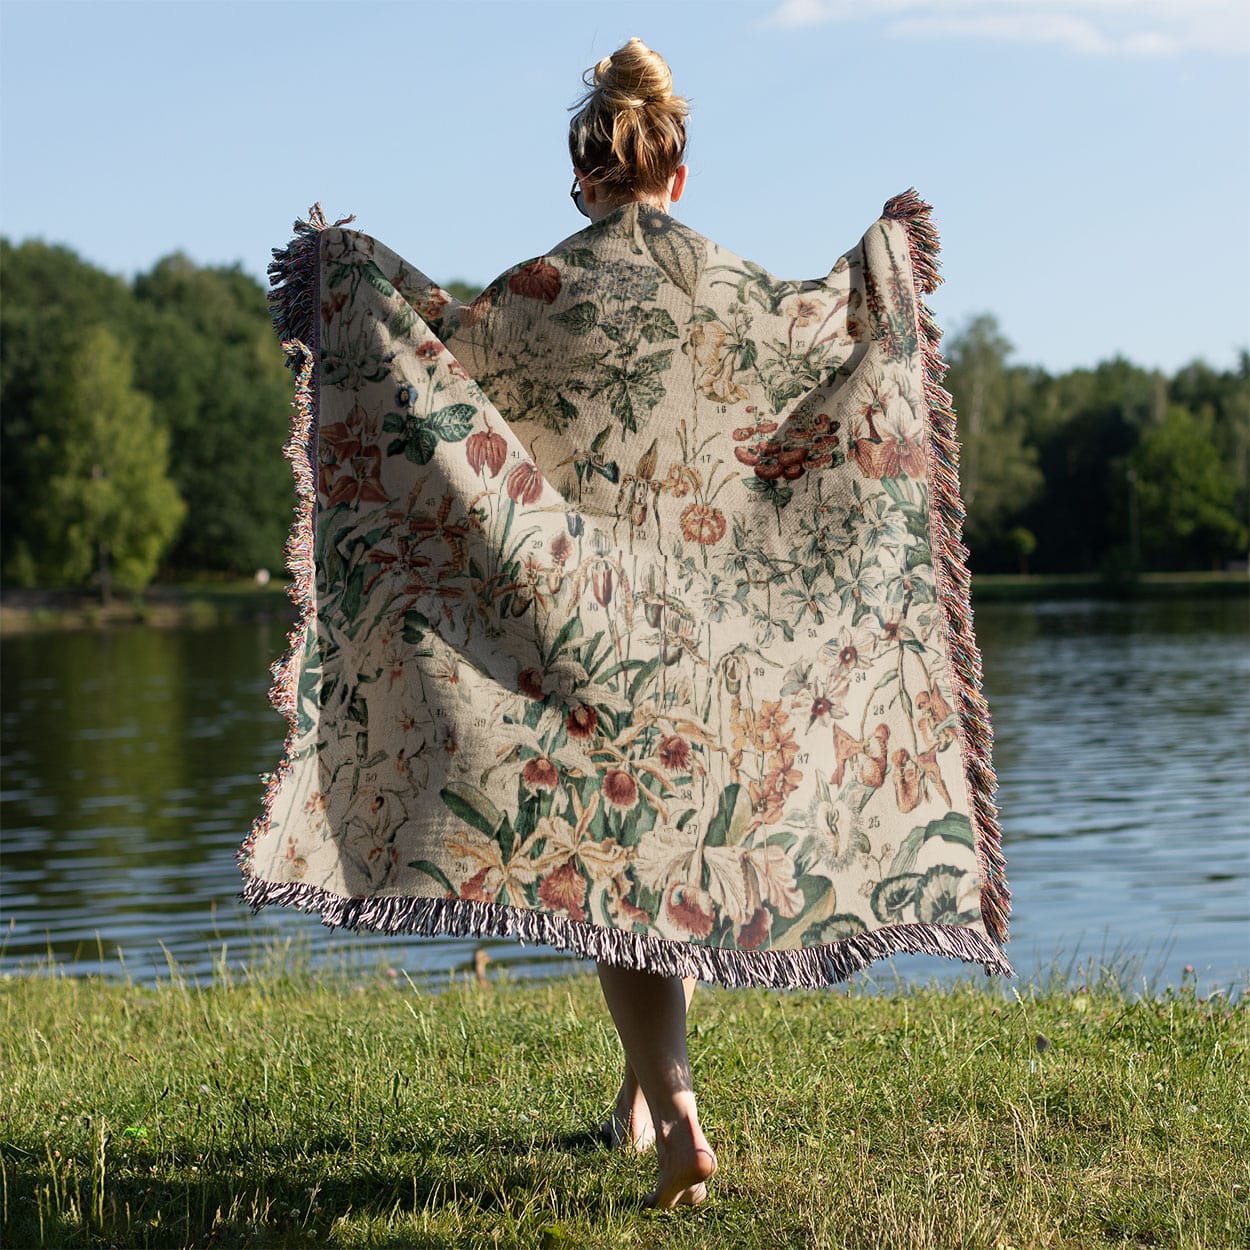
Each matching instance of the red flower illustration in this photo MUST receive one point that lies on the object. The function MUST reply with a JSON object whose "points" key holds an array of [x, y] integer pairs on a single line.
{"points": [[561, 548], [537, 280], [564, 890], [601, 580], [431, 308], [359, 480], [675, 753], [582, 721], [755, 932], [472, 313], [351, 468], [912, 460], [530, 681], [525, 483], [894, 442], [487, 449], [690, 908], [429, 349], [330, 307], [540, 774], [874, 457], [340, 440], [620, 789], [477, 887]]}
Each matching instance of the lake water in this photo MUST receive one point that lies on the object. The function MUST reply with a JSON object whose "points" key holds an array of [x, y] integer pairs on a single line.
{"points": [[130, 762]]}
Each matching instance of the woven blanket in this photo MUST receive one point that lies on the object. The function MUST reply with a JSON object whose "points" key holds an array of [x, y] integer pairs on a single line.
{"points": [[634, 615]]}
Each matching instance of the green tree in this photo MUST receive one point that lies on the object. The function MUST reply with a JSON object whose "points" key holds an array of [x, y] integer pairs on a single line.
{"points": [[1024, 543], [1186, 495], [208, 357], [997, 467], [1221, 397], [105, 504], [51, 296], [1085, 424]]}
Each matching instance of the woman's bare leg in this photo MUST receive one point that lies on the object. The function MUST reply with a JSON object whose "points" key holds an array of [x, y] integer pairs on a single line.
{"points": [[629, 1125], [650, 1015]]}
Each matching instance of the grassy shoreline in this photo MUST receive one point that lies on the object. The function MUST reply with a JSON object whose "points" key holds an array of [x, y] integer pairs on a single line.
{"points": [[289, 1110], [196, 604], [216, 603]]}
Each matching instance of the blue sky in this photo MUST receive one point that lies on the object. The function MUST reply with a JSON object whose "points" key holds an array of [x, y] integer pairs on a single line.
{"points": [[1088, 160]]}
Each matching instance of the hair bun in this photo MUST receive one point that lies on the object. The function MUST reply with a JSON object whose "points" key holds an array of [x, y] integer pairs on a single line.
{"points": [[634, 76], [630, 129]]}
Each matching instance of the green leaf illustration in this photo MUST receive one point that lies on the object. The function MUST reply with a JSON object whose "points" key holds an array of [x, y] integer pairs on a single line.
{"points": [[918, 555], [953, 827], [376, 278], [895, 896], [402, 320], [433, 870], [834, 930], [452, 423], [419, 446], [677, 255], [658, 324], [582, 257], [580, 319], [473, 807], [719, 828], [635, 389], [415, 626]]}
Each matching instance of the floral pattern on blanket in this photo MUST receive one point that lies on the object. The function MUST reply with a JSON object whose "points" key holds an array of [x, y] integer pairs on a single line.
{"points": [[626, 602]]}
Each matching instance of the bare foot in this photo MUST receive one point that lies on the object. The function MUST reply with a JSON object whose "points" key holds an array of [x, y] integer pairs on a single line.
{"points": [[629, 1126], [686, 1165]]}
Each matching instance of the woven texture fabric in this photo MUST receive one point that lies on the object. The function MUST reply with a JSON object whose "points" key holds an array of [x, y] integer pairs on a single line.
{"points": [[634, 615]]}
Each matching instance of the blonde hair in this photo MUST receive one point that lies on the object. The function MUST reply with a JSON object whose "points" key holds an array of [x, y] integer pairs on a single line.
{"points": [[629, 132]]}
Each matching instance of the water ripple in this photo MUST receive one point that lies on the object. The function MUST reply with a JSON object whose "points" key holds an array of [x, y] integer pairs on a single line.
{"points": [[131, 772]]}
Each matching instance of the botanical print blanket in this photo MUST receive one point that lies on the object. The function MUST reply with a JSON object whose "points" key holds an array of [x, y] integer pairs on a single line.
{"points": [[634, 613]]}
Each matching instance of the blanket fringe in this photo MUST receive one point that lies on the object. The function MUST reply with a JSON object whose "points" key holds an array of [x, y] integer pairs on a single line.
{"points": [[293, 302], [810, 968], [294, 291], [951, 567]]}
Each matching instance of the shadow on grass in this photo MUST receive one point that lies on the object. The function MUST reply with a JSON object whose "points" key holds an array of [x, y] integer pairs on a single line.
{"points": [[264, 1197]]}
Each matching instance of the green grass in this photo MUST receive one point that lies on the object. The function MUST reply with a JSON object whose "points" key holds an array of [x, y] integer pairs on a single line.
{"points": [[293, 1110]]}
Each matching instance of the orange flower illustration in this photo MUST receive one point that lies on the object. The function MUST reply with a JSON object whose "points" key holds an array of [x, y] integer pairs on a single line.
{"points": [[537, 280], [701, 523]]}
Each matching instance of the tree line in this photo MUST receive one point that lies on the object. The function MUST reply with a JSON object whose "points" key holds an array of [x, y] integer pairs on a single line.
{"points": [[142, 423], [1113, 470]]}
